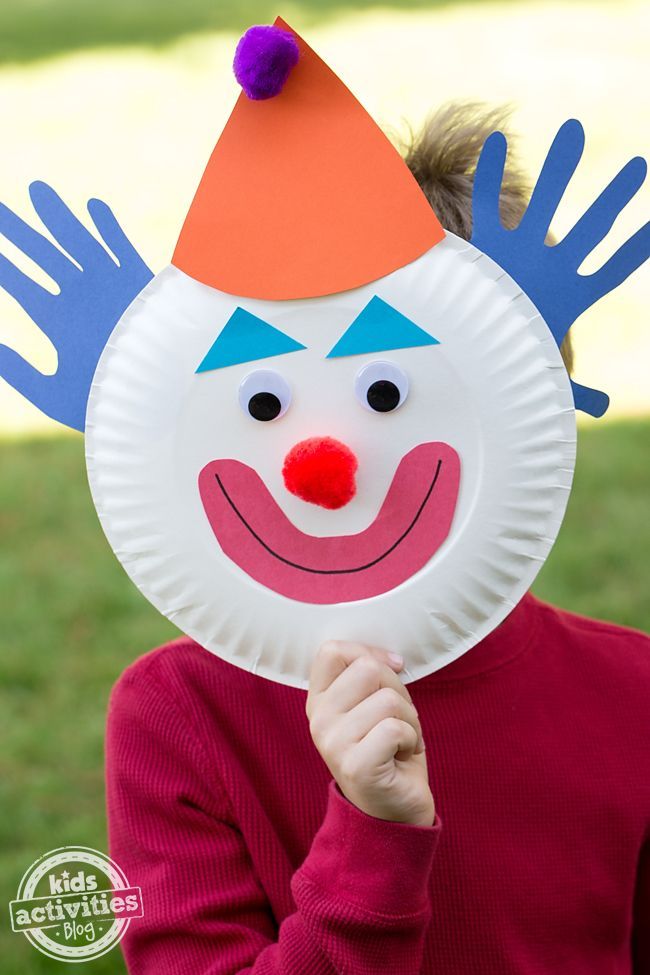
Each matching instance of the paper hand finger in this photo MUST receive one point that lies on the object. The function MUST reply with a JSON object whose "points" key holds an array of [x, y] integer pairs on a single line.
{"points": [[34, 245], [29, 295], [112, 233], [597, 221], [64, 226], [24, 378], [559, 166], [487, 182]]}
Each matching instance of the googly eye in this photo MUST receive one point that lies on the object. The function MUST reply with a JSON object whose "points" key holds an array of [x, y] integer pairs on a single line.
{"points": [[381, 386], [264, 394]]}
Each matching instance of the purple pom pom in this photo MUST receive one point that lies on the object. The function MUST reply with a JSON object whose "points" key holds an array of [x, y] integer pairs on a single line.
{"points": [[263, 60]]}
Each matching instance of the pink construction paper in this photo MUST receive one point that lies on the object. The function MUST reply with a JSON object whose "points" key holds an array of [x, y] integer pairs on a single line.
{"points": [[412, 523]]}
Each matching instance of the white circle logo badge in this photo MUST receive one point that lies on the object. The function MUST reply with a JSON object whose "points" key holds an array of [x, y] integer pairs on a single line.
{"points": [[74, 904]]}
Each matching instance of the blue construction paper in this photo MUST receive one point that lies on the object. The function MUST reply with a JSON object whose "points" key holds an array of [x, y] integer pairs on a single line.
{"points": [[549, 274], [93, 294], [380, 328], [591, 401], [245, 338]]}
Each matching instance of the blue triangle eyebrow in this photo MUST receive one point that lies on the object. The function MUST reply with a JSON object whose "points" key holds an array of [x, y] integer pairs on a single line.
{"points": [[380, 328], [245, 338]]}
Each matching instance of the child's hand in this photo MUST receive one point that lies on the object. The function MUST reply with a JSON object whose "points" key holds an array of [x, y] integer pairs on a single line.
{"points": [[363, 723]]}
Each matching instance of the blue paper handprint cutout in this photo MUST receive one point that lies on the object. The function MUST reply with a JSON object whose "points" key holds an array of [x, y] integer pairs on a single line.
{"points": [[78, 320], [94, 295], [548, 274]]}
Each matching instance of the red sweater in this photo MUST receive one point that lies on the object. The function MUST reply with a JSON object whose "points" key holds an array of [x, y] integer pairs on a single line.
{"points": [[251, 860]]}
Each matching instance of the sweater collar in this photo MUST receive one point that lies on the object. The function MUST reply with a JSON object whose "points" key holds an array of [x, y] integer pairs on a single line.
{"points": [[506, 641]]}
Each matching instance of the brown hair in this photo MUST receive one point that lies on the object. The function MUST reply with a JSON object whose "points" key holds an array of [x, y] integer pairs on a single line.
{"points": [[443, 158]]}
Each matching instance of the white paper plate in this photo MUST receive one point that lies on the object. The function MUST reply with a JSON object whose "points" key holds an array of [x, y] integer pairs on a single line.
{"points": [[495, 389]]}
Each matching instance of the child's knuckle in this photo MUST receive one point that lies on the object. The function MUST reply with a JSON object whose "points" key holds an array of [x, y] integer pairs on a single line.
{"points": [[329, 649], [392, 727], [349, 765], [328, 744], [390, 701], [317, 725], [367, 667]]}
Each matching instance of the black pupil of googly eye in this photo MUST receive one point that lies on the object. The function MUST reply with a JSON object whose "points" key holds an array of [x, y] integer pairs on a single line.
{"points": [[264, 406], [383, 396]]}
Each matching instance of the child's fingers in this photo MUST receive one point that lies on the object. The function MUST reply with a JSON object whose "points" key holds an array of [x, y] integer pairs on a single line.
{"points": [[384, 703], [379, 747], [365, 675], [334, 656]]}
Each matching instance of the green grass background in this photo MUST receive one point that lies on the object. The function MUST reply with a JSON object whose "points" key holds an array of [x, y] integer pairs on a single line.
{"points": [[72, 621], [32, 29]]}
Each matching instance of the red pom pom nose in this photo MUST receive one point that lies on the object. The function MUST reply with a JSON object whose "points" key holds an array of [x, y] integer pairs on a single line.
{"points": [[321, 470]]}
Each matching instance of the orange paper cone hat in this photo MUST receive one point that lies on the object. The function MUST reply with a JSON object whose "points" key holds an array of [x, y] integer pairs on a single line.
{"points": [[303, 194]]}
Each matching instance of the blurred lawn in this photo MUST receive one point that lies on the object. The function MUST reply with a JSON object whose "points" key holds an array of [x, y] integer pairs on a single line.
{"points": [[31, 29], [72, 621]]}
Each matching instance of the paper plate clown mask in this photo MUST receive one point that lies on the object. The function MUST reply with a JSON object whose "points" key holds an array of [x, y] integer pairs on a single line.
{"points": [[327, 418]]}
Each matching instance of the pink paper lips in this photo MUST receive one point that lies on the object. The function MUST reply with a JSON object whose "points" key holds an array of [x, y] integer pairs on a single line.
{"points": [[411, 525]]}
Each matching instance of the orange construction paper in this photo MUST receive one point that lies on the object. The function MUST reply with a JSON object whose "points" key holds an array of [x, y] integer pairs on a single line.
{"points": [[303, 195]]}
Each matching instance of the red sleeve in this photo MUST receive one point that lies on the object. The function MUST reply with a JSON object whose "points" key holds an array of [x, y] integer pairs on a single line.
{"points": [[361, 894], [641, 925]]}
